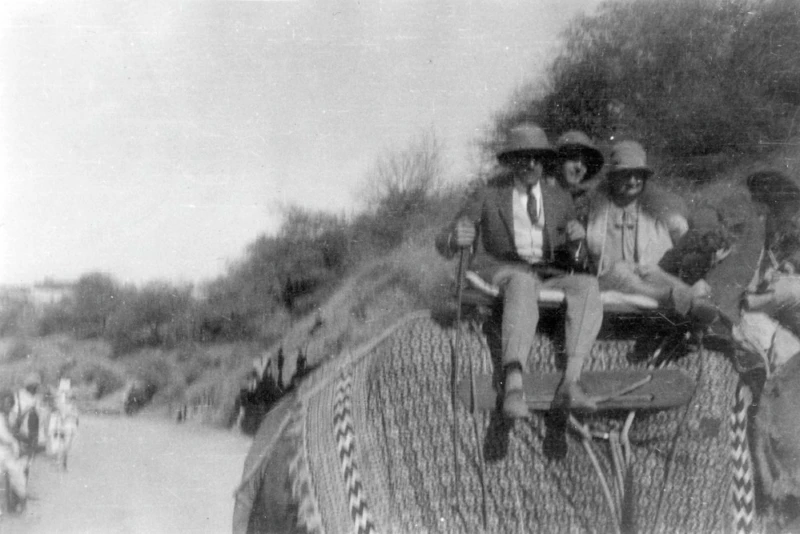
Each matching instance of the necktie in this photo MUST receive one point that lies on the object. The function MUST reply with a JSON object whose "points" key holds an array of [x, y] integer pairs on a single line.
{"points": [[533, 206]]}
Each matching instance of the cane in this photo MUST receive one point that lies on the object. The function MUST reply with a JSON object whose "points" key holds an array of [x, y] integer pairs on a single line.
{"points": [[454, 377], [454, 361]]}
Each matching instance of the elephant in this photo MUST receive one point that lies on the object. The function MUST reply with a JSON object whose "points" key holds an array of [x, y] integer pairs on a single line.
{"points": [[373, 441]]}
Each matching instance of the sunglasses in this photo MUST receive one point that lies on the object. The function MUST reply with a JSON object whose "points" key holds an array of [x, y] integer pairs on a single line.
{"points": [[627, 176], [524, 160]]}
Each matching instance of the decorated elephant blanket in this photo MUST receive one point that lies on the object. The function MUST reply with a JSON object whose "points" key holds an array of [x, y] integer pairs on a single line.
{"points": [[372, 442]]}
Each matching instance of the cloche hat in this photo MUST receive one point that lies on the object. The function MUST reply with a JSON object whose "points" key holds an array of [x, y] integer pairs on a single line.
{"points": [[629, 156], [576, 142]]}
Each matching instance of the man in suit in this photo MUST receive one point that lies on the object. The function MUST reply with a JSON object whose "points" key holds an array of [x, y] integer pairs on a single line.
{"points": [[521, 231]]}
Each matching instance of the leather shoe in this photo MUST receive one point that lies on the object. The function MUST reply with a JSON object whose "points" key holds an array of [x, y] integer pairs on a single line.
{"points": [[570, 396], [514, 405], [703, 311]]}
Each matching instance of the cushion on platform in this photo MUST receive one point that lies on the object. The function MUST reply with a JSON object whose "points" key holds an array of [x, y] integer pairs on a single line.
{"points": [[612, 300]]}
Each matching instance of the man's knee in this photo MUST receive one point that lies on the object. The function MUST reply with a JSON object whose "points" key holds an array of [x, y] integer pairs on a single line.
{"points": [[517, 282], [584, 286]]}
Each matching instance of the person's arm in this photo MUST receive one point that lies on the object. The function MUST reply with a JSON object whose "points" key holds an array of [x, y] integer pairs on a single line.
{"points": [[6, 437], [678, 226]]}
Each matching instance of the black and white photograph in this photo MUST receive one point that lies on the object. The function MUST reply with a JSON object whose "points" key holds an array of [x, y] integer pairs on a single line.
{"points": [[399, 266]]}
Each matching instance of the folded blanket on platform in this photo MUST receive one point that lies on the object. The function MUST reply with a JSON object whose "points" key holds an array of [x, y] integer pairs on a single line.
{"points": [[612, 300]]}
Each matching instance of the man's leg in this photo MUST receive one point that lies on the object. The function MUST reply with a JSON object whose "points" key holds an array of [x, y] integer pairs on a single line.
{"points": [[520, 293], [668, 290], [583, 318], [623, 277], [760, 334]]}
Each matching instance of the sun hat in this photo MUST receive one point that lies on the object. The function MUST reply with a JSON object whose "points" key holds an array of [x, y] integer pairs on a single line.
{"points": [[628, 156], [575, 142], [773, 188], [526, 139]]}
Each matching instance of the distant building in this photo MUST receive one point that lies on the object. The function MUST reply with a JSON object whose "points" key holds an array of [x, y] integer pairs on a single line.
{"points": [[49, 293]]}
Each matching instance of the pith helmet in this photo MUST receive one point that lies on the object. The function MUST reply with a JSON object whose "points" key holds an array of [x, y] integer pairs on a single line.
{"points": [[32, 380], [575, 142], [629, 156], [526, 139]]}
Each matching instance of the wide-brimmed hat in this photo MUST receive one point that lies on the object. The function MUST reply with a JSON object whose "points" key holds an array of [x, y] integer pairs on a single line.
{"points": [[526, 139], [628, 156], [773, 188], [574, 142]]}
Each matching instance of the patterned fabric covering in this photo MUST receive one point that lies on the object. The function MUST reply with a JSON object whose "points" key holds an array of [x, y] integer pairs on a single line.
{"points": [[372, 449]]}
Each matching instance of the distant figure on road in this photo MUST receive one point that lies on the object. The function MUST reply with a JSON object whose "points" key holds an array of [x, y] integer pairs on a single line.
{"points": [[25, 416], [11, 465], [63, 424]]}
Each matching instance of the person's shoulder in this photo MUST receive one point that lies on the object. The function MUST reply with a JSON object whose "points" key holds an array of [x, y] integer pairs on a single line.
{"points": [[663, 203], [598, 195]]}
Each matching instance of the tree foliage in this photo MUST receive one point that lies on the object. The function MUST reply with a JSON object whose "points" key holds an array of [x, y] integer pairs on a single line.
{"points": [[688, 78], [96, 298], [400, 186]]}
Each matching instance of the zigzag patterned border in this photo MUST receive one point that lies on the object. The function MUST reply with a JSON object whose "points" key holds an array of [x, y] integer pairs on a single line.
{"points": [[346, 444], [743, 500]]}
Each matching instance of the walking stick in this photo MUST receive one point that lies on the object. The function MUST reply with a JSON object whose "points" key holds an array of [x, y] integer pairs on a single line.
{"points": [[472, 402], [454, 361]]}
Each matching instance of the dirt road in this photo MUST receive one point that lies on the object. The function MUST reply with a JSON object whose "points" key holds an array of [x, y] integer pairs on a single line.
{"points": [[136, 475]]}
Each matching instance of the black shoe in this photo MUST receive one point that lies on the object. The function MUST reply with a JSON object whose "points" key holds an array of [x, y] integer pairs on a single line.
{"points": [[703, 312], [571, 397]]}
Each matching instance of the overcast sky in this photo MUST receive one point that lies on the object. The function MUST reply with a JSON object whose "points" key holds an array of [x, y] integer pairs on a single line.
{"points": [[157, 139]]}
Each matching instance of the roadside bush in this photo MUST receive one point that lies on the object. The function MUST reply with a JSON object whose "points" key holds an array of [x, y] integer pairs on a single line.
{"points": [[18, 351], [56, 319], [17, 318], [104, 375]]}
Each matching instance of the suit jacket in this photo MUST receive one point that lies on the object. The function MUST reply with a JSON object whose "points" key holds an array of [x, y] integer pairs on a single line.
{"points": [[490, 209]]}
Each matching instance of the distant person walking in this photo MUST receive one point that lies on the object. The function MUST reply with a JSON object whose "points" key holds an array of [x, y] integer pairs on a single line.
{"points": [[63, 424], [11, 465], [24, 417]]}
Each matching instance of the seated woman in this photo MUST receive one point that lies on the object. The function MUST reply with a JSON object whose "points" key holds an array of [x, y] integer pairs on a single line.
{"points": [[769, 322], [631, 225]]}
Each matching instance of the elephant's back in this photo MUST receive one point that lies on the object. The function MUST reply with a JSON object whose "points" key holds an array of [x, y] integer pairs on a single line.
{"points": [[377, 446]]}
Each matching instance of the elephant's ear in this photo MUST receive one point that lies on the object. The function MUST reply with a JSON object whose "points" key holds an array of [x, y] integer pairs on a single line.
{"points": [[778, 432], [270, 496]]}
